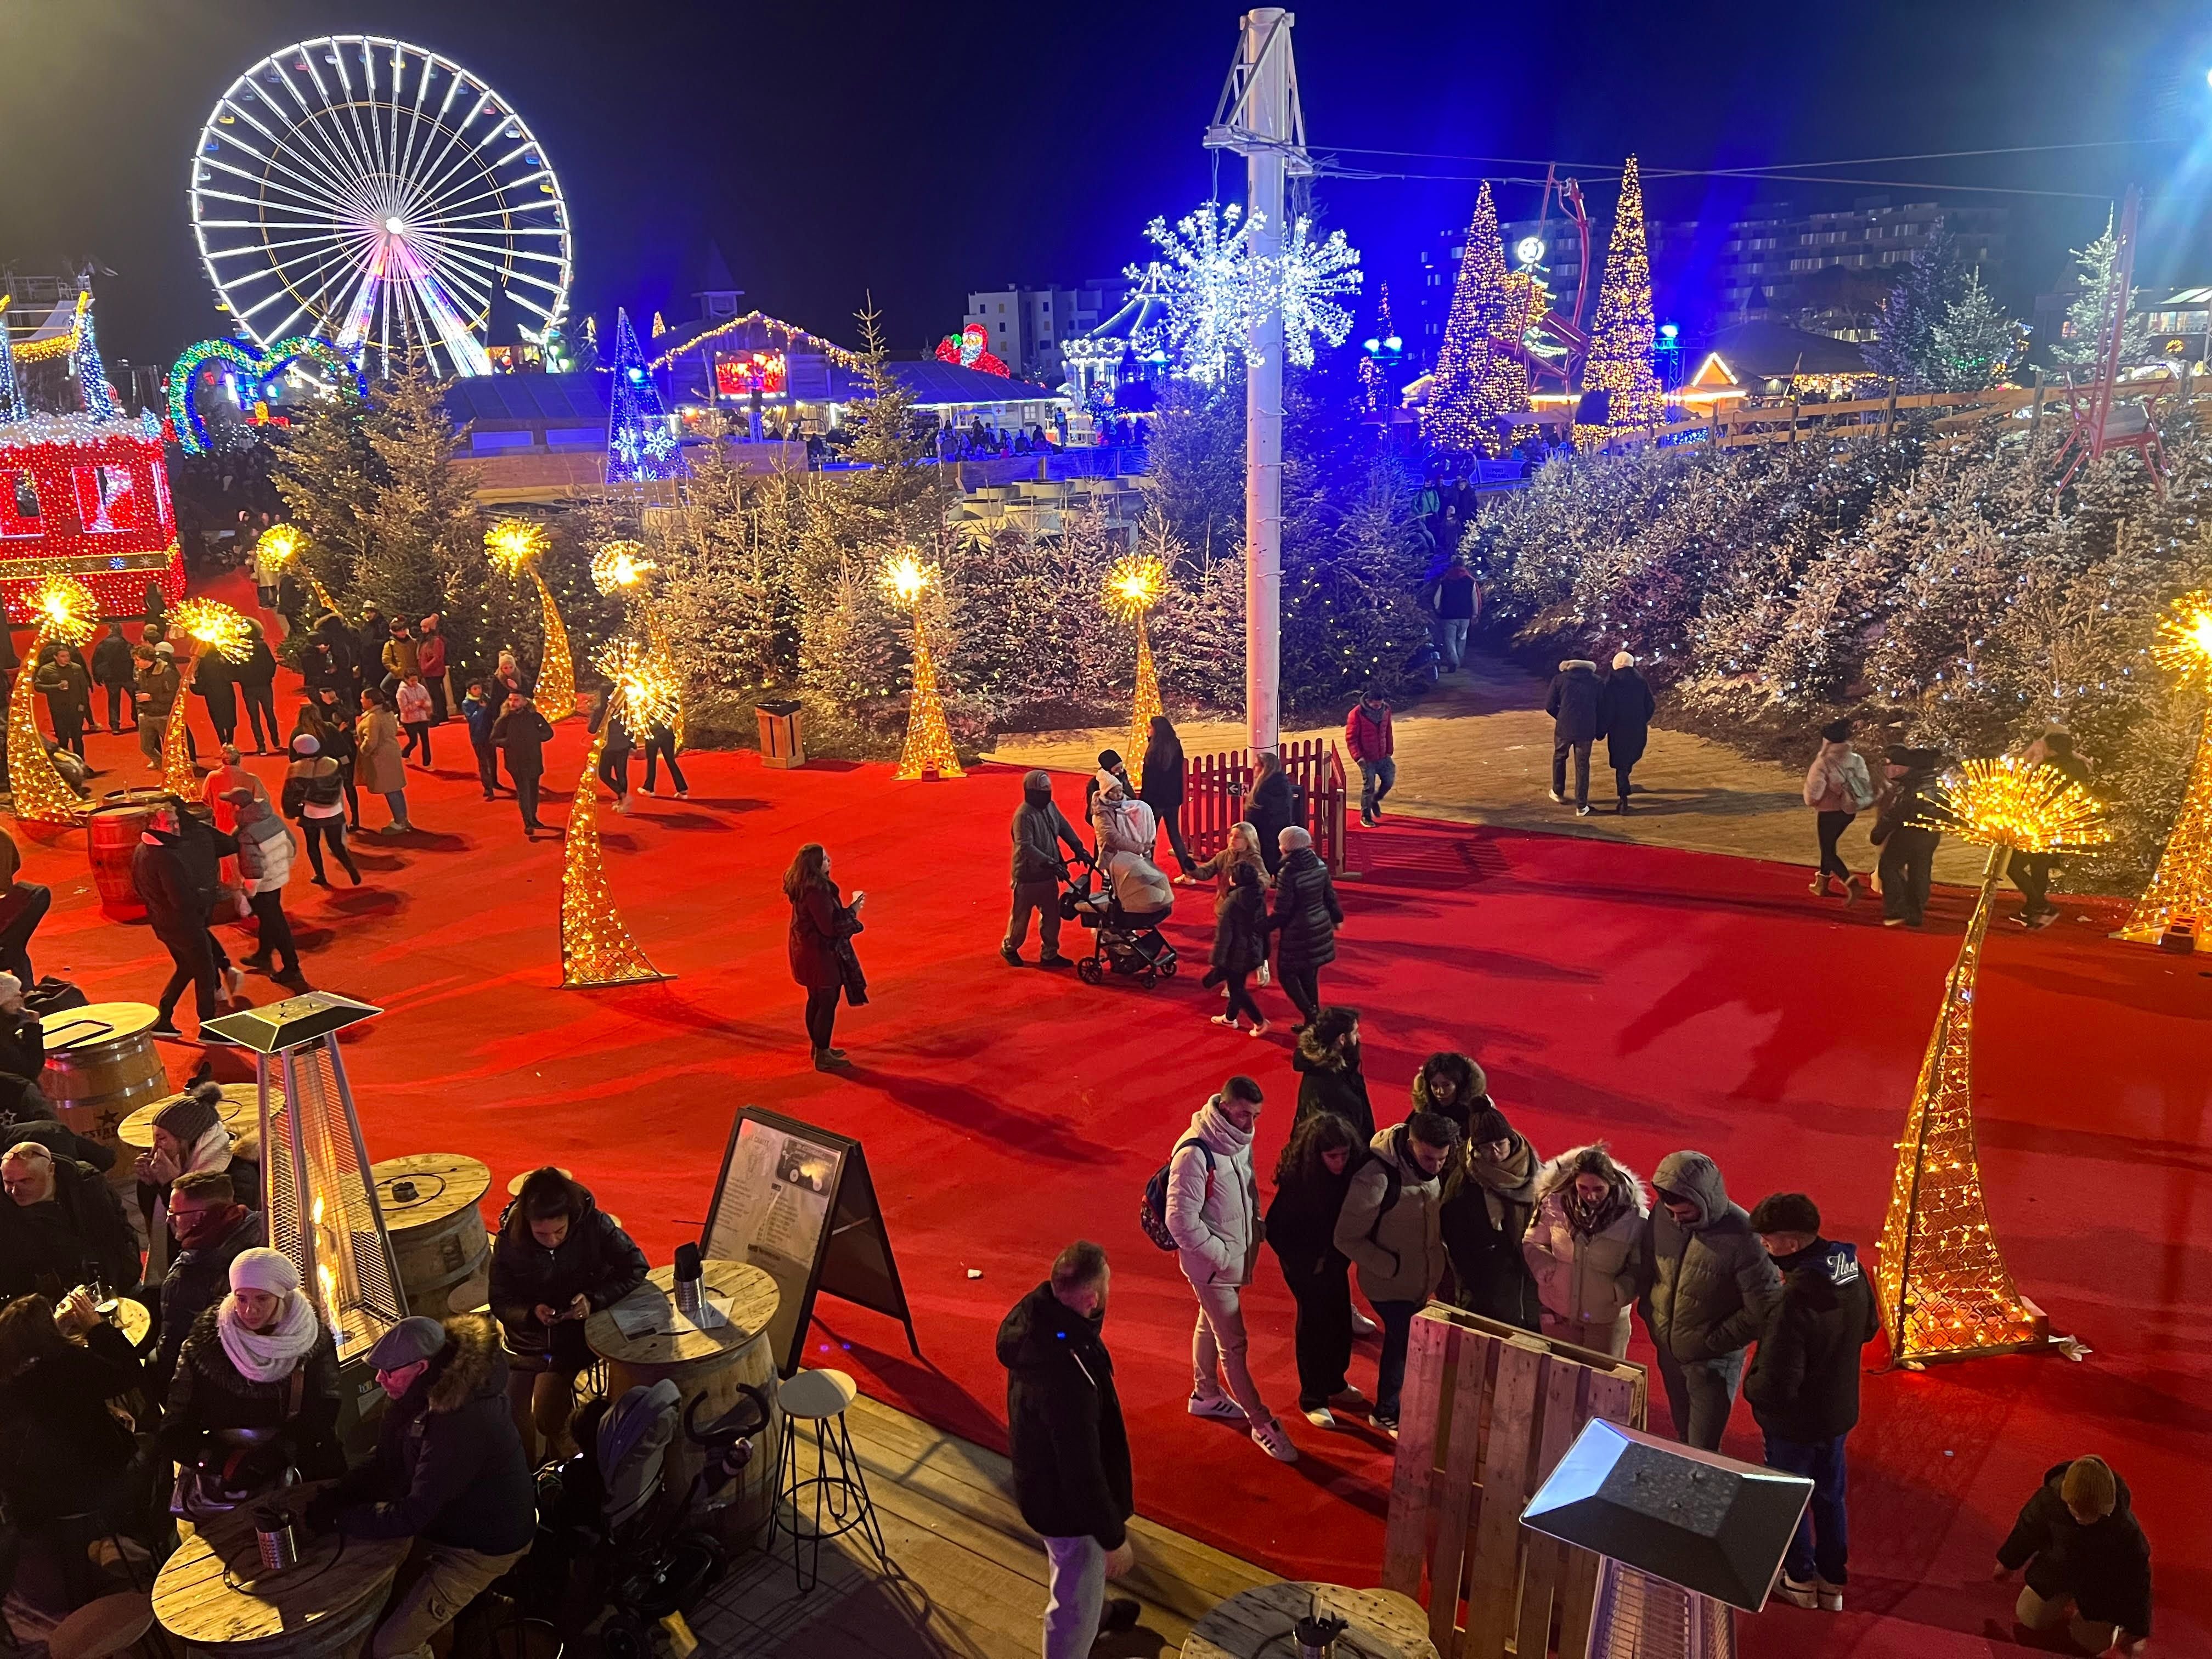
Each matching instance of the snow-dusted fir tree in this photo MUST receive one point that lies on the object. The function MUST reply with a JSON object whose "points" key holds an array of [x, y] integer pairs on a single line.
{"points": [[1903, 345], [2080, 346], [424, 550], [1975, 345]]}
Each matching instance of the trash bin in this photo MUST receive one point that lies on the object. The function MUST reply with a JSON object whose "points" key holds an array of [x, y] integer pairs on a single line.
{"points": [[780, 742]]}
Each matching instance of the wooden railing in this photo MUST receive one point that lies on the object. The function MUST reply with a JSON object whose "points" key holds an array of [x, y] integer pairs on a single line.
{"points": [[1215, 787]]}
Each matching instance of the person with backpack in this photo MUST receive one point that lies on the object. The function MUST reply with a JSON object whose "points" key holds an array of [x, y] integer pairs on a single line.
{"points": [[1709, 1287], [1070, 1449], [1211, 1209], [1368, 741], [1305, 919], [1838, 789], [1312, 1176], [1908, 845], [264, 865], [1803, 1385], [314, 797], [1327, 1059], [1390, 1230]]}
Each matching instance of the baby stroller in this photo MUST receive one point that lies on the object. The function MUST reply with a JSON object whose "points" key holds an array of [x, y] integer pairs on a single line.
{"points": [[612, 1536], [1120, 942]]}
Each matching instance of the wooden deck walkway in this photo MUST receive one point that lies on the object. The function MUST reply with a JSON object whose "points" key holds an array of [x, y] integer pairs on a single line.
{"points": [[966, 1578]]}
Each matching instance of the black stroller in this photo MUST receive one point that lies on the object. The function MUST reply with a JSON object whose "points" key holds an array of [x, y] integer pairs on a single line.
{"points": [[610, 1534], [1121, 943]]}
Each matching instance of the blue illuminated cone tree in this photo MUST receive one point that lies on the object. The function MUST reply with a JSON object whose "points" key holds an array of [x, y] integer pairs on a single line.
{"points": [[642, 447]]}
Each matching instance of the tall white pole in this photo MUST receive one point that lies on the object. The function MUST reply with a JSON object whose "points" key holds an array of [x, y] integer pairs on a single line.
{"points": [[1266, 113]]}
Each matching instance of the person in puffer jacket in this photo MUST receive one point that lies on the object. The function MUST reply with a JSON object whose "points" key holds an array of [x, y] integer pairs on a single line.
{"points": [[1838, 789], [1582, 1245], [1392, 1230], [1708, 1288], [1803, 1385], [1127, 830], [2088, 1560], [1213, 1214], [264, 865]]}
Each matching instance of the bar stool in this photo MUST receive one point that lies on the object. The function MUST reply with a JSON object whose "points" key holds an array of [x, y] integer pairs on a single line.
{"points": [[108, 1626], [838, 1485]]}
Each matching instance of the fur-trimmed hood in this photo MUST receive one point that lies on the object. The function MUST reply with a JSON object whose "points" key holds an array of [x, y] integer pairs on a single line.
{"points": [[473, 1364], [1570, 663], [1318, 1057], [1473, 1085], [1626, 1182]]}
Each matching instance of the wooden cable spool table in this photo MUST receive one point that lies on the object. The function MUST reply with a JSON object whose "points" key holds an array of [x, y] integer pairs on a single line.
{"points": [[709, 1363], [101, 1066], [321, 1608], [1255, 1624], [239, 1110], [429, 1203]]}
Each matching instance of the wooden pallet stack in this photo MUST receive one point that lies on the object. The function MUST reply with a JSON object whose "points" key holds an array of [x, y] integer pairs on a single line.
{"points": [[1487, 1413]]}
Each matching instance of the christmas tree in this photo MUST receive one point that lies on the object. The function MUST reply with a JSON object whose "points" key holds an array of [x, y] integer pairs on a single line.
{"points": [[1622, 333], [1476, 380], [91, 378], [640, 445], [1976, 343], [1904, 343], [2080, 344]]}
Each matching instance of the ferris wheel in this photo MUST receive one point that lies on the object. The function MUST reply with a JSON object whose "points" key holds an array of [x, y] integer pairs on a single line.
{"points": [[382, 196]]}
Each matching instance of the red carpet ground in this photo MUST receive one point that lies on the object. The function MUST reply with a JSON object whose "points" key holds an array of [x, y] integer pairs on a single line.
{"points": [[1663, 999]]}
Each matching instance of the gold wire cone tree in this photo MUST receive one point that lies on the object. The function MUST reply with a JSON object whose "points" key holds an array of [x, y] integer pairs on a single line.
{"points": [[906, 582], [213, 626], [619, 570], [67, 613], [514, 547], [596, 947], [2181, 891], [1942, 1286], [283, 544], [1134, 585]]}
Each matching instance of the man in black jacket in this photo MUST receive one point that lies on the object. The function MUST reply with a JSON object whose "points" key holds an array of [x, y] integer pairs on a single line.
{"points": [[1071, 1453], [1039, 829], [74, 1227], [523, 731], [1573, 706], [113, 668], [1908, 846], [449, 1472], [2087, 1561], [212, 1229], [1803, 1385], [176, 871]]}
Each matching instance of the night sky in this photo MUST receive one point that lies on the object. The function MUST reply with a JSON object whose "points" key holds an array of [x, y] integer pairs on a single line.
{"points": [[917, 151]]}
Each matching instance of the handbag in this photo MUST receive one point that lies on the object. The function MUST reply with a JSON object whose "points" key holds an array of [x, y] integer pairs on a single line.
{"points": [[229, 1472]]}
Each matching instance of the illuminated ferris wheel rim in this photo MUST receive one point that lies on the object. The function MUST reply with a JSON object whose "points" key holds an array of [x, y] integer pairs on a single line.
{"points": [[377, 193]]}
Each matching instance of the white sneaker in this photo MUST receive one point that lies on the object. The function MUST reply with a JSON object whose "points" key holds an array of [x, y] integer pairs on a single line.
{"points": [[1322, 1418], [1363, 1326], [1797, 1595], [1269, 1438], [1216, 1405], [1556, 797], [1230, 1020], [1831, 1596]]}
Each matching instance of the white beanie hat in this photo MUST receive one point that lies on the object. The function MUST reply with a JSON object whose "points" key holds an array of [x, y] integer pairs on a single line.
{"points": [[264, 1269], [1622, 660]]}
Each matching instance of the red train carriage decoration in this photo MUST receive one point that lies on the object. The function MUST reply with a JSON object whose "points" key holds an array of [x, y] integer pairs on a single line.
{"points": [[88, 498]]}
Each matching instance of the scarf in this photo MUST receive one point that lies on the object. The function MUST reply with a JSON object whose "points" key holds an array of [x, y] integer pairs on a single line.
{"points": [[1216, 1124], [210, 1152], [1588, 1220], [269, 1355], [1511, 1180], [209, 1226]]}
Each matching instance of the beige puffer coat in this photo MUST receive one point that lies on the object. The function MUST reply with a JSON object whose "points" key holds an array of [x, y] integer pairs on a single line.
{"points": [[1587, 1284]]}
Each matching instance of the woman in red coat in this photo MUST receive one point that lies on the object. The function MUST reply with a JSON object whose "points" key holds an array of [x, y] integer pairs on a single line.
{"points": [[821, 923]]}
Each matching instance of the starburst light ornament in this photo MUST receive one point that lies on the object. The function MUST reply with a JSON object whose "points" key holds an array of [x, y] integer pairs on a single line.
{"points": [[1212, 284], [2179, 896], [282, 544], [514, 547], [620, 566], [906, 580], [67, 613], [1940, 1283], [1134, 585], [620, 569], [210, 625], [1305, 280], [596, 947]]}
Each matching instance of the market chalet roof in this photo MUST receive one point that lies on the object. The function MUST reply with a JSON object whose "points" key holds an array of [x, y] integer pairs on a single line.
{"points": [[1775, 351]]}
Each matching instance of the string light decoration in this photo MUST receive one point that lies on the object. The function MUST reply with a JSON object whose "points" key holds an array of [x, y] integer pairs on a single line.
{"points": [[1305, 280], [906, 583], [596, 947], [210, 625], [93, 391], [642, 446], [514, 547], [1134, 585], [619, 569], [13, 406], [1210, 283], [2180, 892], [67, 612], [792, 335], [88, 498], [1941, 1283], [282, 544], [1477, 380], [1623, 332]]}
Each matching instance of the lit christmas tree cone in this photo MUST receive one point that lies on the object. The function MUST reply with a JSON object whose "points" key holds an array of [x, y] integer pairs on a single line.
{"points": [[1940, 1283], [1133, 587], [67, 614], [907, 581], [2180, 894], [212, 626], [514, 546], [619, 570], [596, 947]]}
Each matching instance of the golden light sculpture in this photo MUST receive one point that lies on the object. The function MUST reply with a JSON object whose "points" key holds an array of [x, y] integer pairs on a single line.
{"points": [[906, 582], [283, 544], [1941, 1282], [213, 626], [596, 947], [2181, 891], [1133, 587], [619, 569], [67, 612], [514, 547]]}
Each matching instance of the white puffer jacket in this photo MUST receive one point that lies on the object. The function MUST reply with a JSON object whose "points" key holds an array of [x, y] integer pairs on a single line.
{"points": [[1837, 781], [1213, 1214], [1586, 1283], [1127, 829]]}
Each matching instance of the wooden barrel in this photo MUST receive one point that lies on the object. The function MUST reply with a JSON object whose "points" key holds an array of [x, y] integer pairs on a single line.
{"points": [[102, 1065], [241, 1112], [708, 1365], [111, 838], [429, 1202]]}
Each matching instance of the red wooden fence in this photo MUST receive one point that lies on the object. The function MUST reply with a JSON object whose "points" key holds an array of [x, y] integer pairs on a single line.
{"points": [[1215, 787]]}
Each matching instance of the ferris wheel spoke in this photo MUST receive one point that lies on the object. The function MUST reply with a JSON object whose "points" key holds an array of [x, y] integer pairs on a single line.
{"points": [[434, 176], [490, 172], [470, 286], [340, 172], [313, 281], [352, 109], [332, 190], [295, 199], [329, 142], [415, 116], [367, 104], [499, 191]]}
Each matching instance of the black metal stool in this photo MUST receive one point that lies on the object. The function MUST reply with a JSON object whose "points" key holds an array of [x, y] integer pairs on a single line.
{"points": [[838, 1488]]}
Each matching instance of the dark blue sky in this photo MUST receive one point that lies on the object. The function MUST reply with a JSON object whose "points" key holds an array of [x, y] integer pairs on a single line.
{"points": [[916, 151]]}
